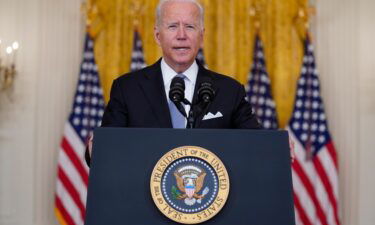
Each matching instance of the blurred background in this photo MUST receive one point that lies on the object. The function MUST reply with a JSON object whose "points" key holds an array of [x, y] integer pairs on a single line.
{"points": [[44, 55]]}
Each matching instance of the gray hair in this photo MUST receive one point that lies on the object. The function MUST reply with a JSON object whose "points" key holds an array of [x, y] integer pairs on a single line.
{"points": [[159, 10]]}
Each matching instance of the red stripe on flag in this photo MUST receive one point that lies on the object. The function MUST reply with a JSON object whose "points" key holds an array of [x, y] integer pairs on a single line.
{"points": [[332, 153], [63, 211], [327, 185], [310, 190], [75, 160], [301, 212], [72, 191]]}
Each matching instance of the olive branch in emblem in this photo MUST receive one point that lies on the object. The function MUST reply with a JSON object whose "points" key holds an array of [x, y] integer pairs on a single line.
{"points": [[175, 193]]}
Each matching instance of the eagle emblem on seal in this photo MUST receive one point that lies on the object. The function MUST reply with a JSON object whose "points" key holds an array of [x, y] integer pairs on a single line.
{"points": [[190, 181]]}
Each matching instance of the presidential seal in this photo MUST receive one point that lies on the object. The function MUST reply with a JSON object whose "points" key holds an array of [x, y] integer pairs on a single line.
{"points": [[189, 185]]}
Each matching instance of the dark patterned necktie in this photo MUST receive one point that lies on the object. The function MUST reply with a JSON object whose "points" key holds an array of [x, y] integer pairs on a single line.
{"points": [[178, 120]]}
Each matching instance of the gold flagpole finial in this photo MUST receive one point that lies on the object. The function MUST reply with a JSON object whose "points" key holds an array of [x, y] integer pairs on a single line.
{"points": [[137, 9], [305, 14], [254, 13]]}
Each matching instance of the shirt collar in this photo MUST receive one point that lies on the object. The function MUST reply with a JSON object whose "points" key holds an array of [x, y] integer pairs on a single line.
{"points": [[168, 73]]}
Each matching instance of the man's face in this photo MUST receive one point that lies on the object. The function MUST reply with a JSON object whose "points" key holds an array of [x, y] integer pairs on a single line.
{"points": [[180, 34]]}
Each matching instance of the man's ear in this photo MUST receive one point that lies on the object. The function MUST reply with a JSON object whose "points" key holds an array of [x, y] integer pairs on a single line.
{"points": [[202, 37], [157, 35]]}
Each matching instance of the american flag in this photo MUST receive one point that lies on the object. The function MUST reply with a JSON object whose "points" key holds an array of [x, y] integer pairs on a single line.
{"points": [[87, 111], [315, 169], [200, 58], [259, 89], [137, 60]]}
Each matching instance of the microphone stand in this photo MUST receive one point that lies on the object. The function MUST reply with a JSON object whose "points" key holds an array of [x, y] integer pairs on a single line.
{"points": [[190, 117], [195, 111]]}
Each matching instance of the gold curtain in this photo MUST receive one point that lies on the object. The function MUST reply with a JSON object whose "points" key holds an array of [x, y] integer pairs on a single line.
{"points": [[231, 26]]}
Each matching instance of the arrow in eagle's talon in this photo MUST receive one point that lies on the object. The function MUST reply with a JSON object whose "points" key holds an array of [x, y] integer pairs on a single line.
{"points": [[205, 191]]}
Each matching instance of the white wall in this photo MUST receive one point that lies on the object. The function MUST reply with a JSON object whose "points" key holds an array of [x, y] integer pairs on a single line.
{"points": [[51, 33], [366, 190], [345, 34]]}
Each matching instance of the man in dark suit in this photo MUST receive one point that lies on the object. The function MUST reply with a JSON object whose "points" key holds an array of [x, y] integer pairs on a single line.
{"points": [[139, 99]]}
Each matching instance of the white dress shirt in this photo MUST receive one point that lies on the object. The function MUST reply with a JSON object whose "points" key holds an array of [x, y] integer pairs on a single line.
{"points": [[191, 77]]}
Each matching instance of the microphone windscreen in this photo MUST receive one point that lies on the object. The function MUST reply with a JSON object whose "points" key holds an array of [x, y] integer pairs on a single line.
{"points": [[206, 91], [177, 89]]}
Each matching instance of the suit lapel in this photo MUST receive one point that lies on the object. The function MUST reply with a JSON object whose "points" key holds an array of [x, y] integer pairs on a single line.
{"points": [[153, 87]]}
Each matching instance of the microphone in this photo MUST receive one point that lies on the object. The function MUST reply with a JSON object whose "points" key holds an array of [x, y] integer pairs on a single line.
{"points": [[206, 93], [177, 90], [177, 93]]}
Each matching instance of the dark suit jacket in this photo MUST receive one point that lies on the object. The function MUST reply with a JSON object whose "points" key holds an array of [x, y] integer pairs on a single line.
{"points": [[138, 100]]}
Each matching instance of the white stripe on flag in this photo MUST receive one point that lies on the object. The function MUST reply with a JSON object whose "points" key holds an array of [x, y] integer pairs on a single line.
{"points": [[330, 169], [322, 196], [306, 202], [330, 209], [76, 143], [68, 203], [297, 218], [331, 216], [73, 175]]}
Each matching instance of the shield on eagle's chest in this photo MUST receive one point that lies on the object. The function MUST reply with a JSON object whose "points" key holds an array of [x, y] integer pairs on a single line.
{"points": [[190, 191]]}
